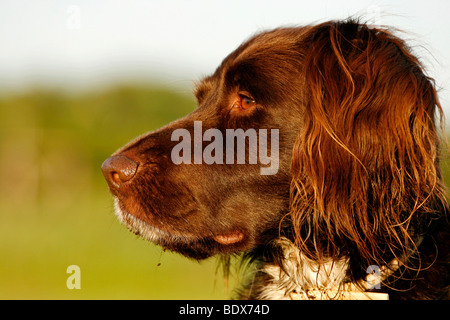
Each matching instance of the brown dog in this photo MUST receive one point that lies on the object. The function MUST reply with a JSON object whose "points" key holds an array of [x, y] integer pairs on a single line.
{"points": [[344, 116]]}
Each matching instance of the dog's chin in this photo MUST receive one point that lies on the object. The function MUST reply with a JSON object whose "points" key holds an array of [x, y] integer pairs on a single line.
{"points": [[185, 244]]}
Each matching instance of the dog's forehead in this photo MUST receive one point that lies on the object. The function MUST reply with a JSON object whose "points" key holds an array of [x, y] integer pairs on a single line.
{"points": [[267, 46], [276, 39], [264, 45]]}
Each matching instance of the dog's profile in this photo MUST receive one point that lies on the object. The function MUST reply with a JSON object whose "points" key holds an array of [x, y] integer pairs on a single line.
{"points": [[356, 207]]}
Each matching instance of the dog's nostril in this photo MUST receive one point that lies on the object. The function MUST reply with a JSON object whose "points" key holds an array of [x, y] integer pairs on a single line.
{"points": [[115, 177], [118, 169]]}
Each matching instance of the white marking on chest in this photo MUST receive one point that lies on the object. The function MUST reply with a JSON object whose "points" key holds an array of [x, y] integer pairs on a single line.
{"points": [[304, 279]]}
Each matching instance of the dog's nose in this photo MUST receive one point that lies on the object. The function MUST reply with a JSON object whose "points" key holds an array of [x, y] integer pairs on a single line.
{"points": [[118, 170]]}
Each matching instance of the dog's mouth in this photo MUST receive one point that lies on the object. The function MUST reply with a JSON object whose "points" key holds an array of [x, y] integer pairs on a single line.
{"points": [[229, 238], [179, 241]]}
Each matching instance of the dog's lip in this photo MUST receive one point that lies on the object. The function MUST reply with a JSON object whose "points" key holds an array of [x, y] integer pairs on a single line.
{"points": [[144, 228], [148, 230], [229, 238]]}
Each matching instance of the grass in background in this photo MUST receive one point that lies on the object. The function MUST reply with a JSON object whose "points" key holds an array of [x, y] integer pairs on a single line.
{"points": [[55, 208]]}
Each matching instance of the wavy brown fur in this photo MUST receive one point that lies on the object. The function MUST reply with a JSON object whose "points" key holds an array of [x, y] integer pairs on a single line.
{"points": [[365, 173]]}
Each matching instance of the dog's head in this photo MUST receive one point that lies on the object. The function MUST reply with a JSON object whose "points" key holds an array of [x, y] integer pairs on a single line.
{"points": [[325, 134]]}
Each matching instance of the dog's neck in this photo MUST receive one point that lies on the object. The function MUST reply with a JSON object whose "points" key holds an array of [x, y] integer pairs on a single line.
{"points": [[300, 278]]}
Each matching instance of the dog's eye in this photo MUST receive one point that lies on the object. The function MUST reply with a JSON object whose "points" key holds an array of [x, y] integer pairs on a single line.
{"points": [[244, 102], [247, 102]]}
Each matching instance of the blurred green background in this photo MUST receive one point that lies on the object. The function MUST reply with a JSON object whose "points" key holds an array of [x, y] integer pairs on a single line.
{"points": [[55, 207]]}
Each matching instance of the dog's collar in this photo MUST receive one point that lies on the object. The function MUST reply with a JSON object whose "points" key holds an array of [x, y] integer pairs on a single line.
{"points": [[351, 290], [304, 279], [358, 290]]}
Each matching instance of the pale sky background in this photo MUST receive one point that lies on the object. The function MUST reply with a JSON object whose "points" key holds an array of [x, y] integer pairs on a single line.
{"points": [[85, 44]]}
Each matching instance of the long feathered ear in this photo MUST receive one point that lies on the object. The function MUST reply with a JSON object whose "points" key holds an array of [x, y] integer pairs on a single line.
{"points": [[366, 178]]}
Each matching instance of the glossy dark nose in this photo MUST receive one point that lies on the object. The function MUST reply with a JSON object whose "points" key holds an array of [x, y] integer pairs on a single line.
{"points": [[118, 170]]}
